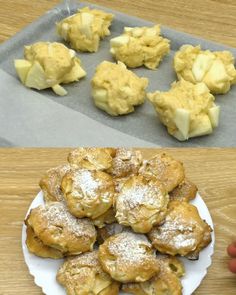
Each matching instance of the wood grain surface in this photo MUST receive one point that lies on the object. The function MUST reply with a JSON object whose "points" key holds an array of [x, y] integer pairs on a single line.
{"points": [[213, 170], [211, 19]]}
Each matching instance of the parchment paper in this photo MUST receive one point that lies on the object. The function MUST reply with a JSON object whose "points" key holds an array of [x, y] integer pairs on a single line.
{"points": [[32, 118]]}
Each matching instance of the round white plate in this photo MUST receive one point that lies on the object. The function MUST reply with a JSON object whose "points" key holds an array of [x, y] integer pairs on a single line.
{"points": [[44, 270]]}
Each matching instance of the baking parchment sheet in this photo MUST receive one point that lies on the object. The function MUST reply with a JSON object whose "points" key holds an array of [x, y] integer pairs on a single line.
{"points": [[32, 118]]}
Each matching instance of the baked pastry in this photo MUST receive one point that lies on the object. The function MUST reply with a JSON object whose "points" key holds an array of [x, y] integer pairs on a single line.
{"points": [[187, 109], [84, 29], [88, 193], [47, 65], [214, 68], [166, 282], [140, 46], [83, 275], [126, 162], [167, 170], [106, 218], [37, 247], [50, 183], [57, 228], [141, 203], [92, 158], [116, 90], [128, 257], [110, 230], [183, 232], [185, 191]]}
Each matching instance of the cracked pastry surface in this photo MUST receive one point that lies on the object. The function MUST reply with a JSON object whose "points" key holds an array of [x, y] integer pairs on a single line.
{"points": [[126, 162], [128, 257], [116, 90], [47, 65], [167, 170], [183, 232], [185, 191], [92, 158], [140, 46], [57, 228], [83, 274], [214, 68], [84, 29], [50, 183], [88, 193], [166, 282], [187, 109], [37, 247], [141, 203]]}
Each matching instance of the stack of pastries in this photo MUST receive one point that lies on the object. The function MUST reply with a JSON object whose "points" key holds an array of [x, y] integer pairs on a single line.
{"points": [[119, 220]]}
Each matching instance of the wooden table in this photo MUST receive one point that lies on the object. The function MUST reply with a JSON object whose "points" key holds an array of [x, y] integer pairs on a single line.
{"points": [[213, 170], [211, 19]]}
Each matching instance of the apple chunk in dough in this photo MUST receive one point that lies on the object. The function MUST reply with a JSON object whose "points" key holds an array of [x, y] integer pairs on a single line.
{"points": [[22, 67]]}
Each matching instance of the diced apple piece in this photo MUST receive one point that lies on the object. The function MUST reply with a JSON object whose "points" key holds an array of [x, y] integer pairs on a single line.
{"points": [[127, 90], [36, 77], [137, 32], [72, 53], [59, 90], [119, 41], [64, 30], [75, 74], [201, 88], [86, 22], [201, 65], [200, 127], [217, 72], [127, 29], [100, 94], [179, 136], [151, 32], [22, 67], [214, 114], [182, 121], [112, 51], [120, 63]]}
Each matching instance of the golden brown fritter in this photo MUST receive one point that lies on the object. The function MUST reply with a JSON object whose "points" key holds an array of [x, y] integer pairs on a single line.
{"points": [[183, 231], [185, 191], [83, 274], [128, 257], [168, 171]]}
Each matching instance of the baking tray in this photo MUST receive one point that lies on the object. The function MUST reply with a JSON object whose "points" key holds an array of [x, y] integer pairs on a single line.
{"points": [[32, 118]]}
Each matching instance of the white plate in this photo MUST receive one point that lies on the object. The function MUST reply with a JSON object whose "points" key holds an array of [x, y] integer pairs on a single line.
{"points": [[44, 270]]}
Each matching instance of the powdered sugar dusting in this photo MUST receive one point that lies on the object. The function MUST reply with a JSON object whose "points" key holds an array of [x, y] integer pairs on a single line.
{"points": [[176, 233], [148, 195], [130, 247], [86, 259], [58, 215], [126, 162], [84, 179]]}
